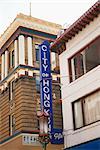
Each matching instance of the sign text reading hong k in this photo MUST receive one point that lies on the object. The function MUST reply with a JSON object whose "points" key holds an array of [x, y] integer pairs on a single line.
{"points": [[46, 82]]}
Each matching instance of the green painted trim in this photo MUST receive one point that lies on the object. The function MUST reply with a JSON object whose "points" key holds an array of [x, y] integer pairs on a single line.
{"points": [[16, 134], [39, 33]]}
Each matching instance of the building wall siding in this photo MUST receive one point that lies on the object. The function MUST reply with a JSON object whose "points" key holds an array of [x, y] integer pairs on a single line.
{"points": [[57, 107], [4, 110], [26, 103], [84, 85], [25, 106]]}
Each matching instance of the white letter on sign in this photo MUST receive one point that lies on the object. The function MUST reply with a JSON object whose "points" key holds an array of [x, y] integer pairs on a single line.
{"points": [[46, 82], [44, 47]]}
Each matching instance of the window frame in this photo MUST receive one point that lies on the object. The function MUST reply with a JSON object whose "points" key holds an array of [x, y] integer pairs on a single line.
{"points": [[36, 49], [11, 124], [83, 114], [37, 85], [73, 113], [11, 89], [82, 50], [12, 59]]}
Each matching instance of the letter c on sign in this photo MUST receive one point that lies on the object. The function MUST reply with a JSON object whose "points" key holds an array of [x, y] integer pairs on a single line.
{"points": [[44, 48]]}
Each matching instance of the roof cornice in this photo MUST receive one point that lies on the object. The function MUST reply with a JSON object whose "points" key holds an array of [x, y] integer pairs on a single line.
{"points": [[29, 22]]}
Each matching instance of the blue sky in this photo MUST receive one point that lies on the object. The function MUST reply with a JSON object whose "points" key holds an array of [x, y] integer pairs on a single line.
{"points": [[63, 12]]}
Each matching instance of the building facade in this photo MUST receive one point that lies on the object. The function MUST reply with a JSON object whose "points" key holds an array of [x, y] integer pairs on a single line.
{"points": [[79, 50], [20, 83]]}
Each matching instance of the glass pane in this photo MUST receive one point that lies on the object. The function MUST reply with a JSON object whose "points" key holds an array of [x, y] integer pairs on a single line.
{"points": [[38, 83], [37, 52], [13, 58], [78, 116], [81, 68], [92, 108], [77, 66], [93, 55], [85, 60]]}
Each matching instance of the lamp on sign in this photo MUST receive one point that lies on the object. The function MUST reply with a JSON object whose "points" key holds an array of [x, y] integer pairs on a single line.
{"points": [[43, 125]]}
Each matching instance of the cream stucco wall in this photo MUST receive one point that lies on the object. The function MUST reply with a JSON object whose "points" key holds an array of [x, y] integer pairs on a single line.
{"points": [[18, 141], [80, 87], [29, 22]]}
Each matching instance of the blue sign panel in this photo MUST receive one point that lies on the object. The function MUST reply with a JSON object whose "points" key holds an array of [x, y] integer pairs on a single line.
{"points": [[90, 145], [56, 136], [46, 82]]}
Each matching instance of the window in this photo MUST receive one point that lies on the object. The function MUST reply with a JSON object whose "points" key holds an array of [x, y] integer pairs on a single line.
{"points": [[85, 60], [11, 124], [92, 108], [86, 110], [37, 52], [78, 114], [11, 90], [26, 73], [12, 59], [53, 60], [38, 83]]}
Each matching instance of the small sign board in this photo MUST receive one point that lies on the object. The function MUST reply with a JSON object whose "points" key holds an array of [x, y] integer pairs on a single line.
{"points": [[57, 136], [30, 139]]}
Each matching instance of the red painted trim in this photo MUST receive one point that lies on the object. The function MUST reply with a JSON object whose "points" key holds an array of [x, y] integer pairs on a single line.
{"points": [[43, 135], [43, 114]]}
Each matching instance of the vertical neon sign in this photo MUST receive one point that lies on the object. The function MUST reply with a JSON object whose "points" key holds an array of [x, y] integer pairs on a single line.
{"points": [[46, 82]]}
